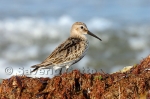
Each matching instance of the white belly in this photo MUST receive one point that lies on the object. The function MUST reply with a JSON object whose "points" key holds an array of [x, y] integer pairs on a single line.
{"points": [[56, 67]]}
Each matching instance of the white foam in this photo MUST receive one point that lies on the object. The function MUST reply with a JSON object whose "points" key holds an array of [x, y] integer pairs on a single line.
{"points": [[65, 20], [15, 53], [99, 24], [141, 30], [37, 27], [116, 69], [2, 62], [137, 43]]}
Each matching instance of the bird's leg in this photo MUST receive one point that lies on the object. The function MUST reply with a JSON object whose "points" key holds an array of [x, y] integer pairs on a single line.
{"points": [[60, 71], [67, 68]]}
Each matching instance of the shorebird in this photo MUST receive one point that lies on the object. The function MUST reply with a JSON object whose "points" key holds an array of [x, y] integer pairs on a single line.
{"points": [[70, 51]]}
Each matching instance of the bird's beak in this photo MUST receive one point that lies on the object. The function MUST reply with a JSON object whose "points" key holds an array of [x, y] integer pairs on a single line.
{"points": [[90, 33]]}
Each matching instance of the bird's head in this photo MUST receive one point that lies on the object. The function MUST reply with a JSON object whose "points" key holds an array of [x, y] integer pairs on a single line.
{"points": [[79, 29]]}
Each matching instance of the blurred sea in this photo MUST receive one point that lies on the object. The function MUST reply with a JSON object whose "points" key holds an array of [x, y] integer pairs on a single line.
{"points": [[31, 29]]}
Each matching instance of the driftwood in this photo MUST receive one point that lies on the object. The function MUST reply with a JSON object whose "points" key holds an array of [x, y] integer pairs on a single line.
{"points": [[131, 84]]}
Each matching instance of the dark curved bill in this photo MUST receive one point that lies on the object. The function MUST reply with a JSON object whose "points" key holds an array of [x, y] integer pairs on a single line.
{"points": [[90, 33]]}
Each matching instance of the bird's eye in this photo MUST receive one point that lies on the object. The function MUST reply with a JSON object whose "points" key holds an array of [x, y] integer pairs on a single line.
{"points": [[81, 27]]}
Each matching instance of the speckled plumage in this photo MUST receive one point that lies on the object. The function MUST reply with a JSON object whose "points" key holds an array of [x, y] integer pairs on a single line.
{"points": [[70, 51]]}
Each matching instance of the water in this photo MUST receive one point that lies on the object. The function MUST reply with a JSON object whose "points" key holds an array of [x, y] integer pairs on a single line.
{"points": [[30, 31]]}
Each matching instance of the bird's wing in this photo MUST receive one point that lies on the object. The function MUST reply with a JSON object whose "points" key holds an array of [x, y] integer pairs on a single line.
{"points": [[72, 49]]}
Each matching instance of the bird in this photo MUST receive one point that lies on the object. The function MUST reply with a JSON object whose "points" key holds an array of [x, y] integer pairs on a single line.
{"points": [[70, 51]]}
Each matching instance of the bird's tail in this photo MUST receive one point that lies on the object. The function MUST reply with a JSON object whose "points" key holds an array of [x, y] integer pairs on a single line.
{"points": [[35, 68]]}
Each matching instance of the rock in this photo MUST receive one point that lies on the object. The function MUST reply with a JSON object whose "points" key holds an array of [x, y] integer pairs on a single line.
{"points": [[133, 83]]}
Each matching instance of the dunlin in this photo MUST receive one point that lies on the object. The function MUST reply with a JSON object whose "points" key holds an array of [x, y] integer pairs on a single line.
{"points": [[69, 52]]}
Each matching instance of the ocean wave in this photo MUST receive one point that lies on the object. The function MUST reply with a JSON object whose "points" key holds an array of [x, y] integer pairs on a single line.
{"points": [[27, 41], [35, 26]]}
